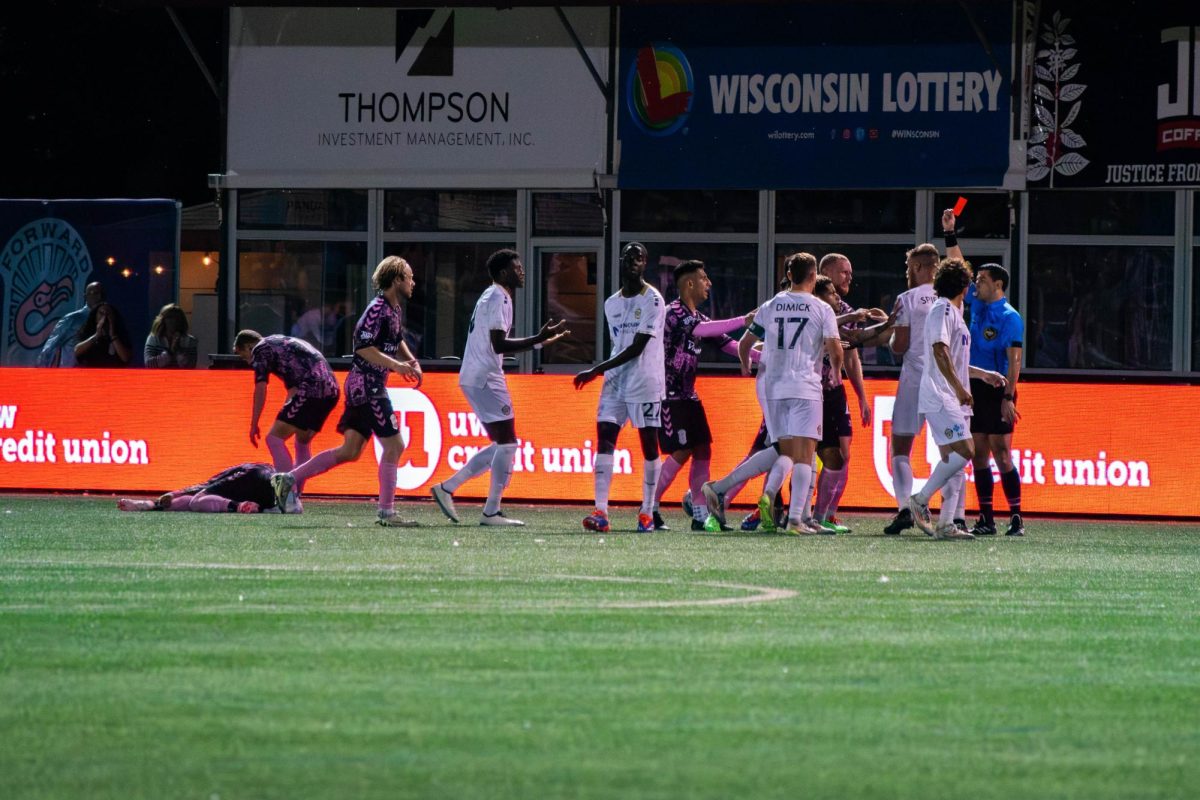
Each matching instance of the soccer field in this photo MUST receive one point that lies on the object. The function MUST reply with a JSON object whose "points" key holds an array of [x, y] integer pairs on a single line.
{"points": [[263, 656]]}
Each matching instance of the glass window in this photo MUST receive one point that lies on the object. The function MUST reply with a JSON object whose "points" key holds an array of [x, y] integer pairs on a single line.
{"points": [[449, 210], [1125, 213], [449, 278], [732, 268], [690, 211], [1196, 306], [303, 209], [984, 217], [569, 293], [312, 290], [845, 212], [1100, 307], [880, 274], [575, 214]]}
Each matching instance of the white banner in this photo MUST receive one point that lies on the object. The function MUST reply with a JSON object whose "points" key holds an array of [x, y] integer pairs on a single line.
{"points": [[415, 98]]}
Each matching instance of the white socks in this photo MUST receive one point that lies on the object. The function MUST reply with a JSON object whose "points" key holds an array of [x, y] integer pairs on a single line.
{"points": [[502, 469], [902, 480]]}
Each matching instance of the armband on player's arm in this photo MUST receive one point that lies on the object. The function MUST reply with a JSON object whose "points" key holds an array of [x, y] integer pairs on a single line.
{"points": [[758, 330]]}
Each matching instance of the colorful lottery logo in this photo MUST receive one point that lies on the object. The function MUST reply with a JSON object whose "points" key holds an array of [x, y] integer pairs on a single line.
{"points": [[660, 89]]}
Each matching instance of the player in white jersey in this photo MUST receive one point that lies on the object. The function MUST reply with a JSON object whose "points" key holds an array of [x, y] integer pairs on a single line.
{"points": [[797, 330], [945, 399], [634, 384], [908, 340], [481, 379]]}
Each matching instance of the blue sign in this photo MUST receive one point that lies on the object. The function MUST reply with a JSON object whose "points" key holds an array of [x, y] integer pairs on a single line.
{"points": [[815, 96], [51, 249]]}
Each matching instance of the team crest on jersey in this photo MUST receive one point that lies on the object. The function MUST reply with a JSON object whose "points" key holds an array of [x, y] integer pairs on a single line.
{"points": [[990, 333], [637, 313], [506, 409]]}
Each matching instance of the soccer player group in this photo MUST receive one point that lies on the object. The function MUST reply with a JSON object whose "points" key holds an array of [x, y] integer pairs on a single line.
{"points": [[801, 340]]}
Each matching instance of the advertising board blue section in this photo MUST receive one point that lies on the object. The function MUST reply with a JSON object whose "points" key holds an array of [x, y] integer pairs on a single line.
{"points": [[806, 95], [51, 249]]}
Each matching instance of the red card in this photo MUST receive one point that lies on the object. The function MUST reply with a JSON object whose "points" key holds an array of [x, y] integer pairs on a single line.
{"points": [[959, 206]]}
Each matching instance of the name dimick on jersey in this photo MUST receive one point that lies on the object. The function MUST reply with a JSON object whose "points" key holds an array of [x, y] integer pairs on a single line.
{"points": [[642, 380], [793, 327]]}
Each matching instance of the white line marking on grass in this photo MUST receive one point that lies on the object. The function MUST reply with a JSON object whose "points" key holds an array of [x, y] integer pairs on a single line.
{"points": [[759, 594]]}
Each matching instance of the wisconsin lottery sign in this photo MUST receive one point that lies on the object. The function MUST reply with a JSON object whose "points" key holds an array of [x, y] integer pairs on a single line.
{"points": [[814, 96]]}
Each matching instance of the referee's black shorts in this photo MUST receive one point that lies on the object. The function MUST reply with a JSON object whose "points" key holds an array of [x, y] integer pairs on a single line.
{"points": [[986, 417]]}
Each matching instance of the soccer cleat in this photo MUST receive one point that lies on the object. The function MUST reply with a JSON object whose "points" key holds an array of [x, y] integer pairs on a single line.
{"points": [[920, 515], [837, 524], [445, 501], [660, 524], [714, 501], [948, 530], [645, 523], [390, 519], [125, 504], [596, 521], [832, 526], [710, 524], [247, 507], [984, 528], [687, 503], [766, 517], [284, 486], [960, 523], [750, 521], [805, 527], [1016, 526], [901, 522], [499, 519]]}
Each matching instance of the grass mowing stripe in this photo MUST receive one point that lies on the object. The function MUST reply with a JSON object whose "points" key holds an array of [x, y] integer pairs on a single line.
{"points": [[1062, 665]]}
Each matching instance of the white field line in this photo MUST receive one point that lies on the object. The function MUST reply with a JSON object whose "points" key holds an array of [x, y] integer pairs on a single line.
{"points": [[757, 594]]}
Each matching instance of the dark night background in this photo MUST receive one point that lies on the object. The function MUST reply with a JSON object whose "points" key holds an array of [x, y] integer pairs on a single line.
{"points": [[104, 100]]}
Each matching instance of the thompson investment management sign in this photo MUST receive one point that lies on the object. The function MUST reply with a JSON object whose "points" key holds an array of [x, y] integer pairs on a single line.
{"points": [[430, 97], [811, 95]]}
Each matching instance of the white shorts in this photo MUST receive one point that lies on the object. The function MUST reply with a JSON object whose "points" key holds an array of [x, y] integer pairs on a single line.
{"points": [[615, 410], [906, 420], [947, 427], [795, 418], [491, 403]]}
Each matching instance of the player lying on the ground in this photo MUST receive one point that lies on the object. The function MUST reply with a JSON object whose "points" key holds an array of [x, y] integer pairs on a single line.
{"points": [[244, 489]]}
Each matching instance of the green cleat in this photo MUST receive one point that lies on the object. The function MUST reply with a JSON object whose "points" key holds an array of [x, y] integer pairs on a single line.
{"points": [[712, 524], [833, 527], [766, 512]]}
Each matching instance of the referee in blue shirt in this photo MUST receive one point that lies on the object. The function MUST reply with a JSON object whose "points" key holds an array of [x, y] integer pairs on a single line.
{"points": [[997, 338]]}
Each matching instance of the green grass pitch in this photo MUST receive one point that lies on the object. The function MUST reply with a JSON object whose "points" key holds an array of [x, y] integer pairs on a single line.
{"points": [[263, 656]]}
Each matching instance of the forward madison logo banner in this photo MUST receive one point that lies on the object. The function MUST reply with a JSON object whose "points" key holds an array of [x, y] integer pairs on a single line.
{"points": [[44, 266]]}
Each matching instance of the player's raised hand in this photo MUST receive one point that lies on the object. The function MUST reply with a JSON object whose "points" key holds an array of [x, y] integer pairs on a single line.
{"points": [[748, 319], [584, 378], [553, 331], [949, 221], [876, 314]]}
